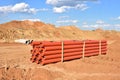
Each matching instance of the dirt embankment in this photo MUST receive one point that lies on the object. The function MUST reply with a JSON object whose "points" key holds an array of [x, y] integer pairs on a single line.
{"points": [[41, 31], [15, 63]]}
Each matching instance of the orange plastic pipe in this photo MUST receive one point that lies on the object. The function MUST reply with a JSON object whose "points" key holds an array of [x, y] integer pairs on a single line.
{"points": [[65, 47], [48, 43], [60, 47], [59, 55], [50, 61], [93, 54], [60, 51], [35, 43], [59, 59]]}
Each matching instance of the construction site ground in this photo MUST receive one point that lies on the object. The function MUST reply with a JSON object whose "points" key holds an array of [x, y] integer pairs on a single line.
{"points": [[15, 65], [15, 61]]}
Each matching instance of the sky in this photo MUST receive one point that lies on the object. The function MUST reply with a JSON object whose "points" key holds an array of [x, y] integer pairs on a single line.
{"points": [[85, 14]]}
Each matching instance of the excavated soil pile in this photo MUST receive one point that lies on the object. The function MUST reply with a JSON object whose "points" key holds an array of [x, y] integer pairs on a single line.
{"points": [[40, 31]]}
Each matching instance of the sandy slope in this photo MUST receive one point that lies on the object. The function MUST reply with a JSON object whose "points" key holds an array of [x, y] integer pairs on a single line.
{"points": [[41, 31], [18, 66]]}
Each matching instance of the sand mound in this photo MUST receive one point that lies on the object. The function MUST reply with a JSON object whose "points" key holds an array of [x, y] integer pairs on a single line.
{"points": [[41, 31]]}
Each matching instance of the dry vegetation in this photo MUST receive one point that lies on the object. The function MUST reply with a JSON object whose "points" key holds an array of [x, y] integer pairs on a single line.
{"points": [[14, 58]]}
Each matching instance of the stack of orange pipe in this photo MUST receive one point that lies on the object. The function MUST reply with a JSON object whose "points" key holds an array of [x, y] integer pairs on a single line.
{"points": [[45, 52]]}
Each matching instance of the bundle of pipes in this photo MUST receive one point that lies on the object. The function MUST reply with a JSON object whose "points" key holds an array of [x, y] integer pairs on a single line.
{"points": [[45, 52]]}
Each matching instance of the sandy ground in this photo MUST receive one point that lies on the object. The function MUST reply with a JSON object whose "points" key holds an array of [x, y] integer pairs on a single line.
{"points": [[15, 58], [15, 65]]}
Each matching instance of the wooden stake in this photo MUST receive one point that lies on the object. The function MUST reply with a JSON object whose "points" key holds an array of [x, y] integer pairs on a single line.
{"points": [[83, 54], [62, 55], [100, 47]]}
